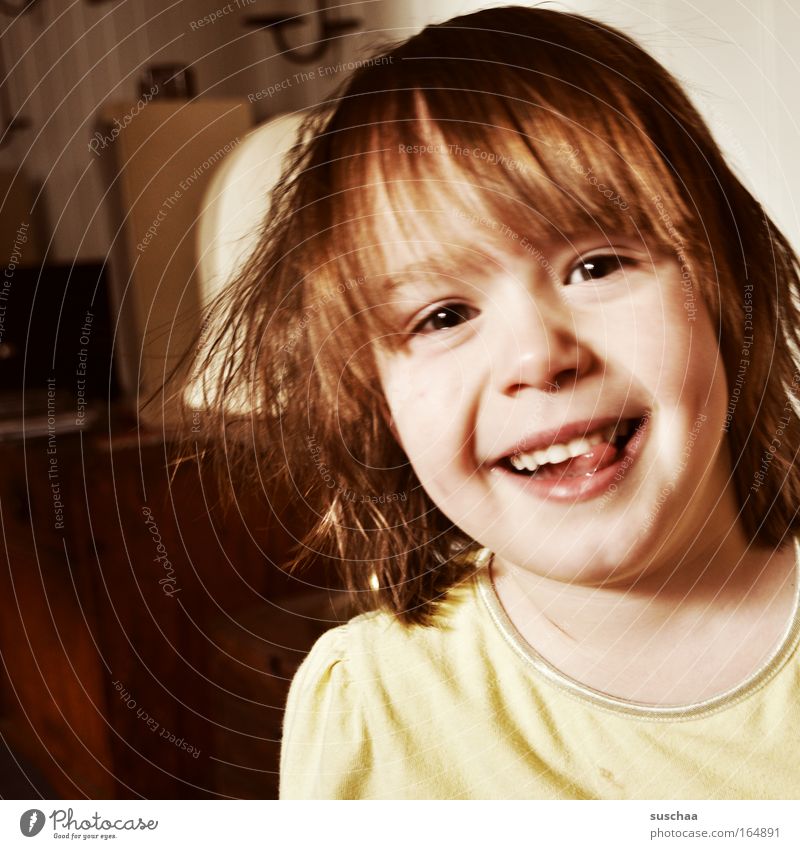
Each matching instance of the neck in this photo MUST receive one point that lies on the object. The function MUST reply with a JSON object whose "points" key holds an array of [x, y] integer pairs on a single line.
{"points": [[682, 602]]}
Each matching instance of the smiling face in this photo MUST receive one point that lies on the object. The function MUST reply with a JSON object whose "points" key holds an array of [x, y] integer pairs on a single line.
{"points": [[507, 375], [534, 279]]}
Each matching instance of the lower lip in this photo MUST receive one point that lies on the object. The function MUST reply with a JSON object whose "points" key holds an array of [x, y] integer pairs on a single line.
{"points": [[585, 487]]}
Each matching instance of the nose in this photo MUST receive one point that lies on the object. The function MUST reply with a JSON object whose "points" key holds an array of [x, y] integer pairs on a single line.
{"points": [[539, 346]]}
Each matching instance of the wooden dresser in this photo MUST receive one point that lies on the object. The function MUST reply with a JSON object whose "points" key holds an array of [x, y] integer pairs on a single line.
{"points": [[148, 635]]}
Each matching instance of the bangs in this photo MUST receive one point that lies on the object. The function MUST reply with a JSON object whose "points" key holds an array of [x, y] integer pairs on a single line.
{"points": [[445, 165]]}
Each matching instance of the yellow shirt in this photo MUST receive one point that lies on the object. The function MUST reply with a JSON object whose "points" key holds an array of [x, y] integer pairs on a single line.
{"points": [[468, 710]]}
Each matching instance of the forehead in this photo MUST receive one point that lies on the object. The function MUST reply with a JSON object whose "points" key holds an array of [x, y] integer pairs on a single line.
{"points": [[414, 194], [446, 226], [435, 190]]}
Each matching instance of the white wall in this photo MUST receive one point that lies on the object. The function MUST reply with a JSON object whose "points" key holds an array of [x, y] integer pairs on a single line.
{"points": [[65, 59], [737, 58]]}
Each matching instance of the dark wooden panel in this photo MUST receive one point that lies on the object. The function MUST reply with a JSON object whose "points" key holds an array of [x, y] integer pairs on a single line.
{"points": [[54, 701], [146, 654]]}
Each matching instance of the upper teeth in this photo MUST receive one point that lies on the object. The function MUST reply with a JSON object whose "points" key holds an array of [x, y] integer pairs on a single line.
{"points": [[559, 452]]}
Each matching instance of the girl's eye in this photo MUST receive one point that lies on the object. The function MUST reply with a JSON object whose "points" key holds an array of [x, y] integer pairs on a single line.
{"points": [[445, 317], [597, 267]]}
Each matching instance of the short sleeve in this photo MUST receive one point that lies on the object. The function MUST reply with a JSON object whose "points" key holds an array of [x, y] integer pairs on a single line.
{"points": [[325, 747]]}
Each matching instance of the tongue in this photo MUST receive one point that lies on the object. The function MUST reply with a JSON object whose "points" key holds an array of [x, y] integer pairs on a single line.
{"points": [[600, 457]]}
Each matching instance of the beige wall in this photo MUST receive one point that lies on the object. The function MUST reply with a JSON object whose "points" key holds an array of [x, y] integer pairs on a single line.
{"points": [[738, 59], [66, 59]]}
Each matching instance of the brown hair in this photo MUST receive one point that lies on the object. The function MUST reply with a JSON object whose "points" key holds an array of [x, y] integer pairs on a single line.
{"points": [[532, 117]]}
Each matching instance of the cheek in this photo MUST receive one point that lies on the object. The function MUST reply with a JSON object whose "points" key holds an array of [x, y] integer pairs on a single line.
{"points": [[420, 387], [710, 382], [675, 356], [431, 410], [700, 369], [681, 366]]}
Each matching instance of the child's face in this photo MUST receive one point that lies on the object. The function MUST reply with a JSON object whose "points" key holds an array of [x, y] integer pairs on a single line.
{"points": [[541, 338]]}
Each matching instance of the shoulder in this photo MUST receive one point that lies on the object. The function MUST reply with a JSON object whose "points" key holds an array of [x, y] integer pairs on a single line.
{"points": [[374, 647], [353, 690], [336, 658]]}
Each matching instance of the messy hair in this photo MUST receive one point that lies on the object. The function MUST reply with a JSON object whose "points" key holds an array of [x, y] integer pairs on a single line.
{"points": [[528, 116]]}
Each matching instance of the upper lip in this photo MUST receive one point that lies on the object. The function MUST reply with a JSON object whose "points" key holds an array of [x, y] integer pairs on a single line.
{"points": [[564, 433]]}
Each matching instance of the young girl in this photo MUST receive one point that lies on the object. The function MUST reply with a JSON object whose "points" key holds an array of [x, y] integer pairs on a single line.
{"points": [[523, 345]]}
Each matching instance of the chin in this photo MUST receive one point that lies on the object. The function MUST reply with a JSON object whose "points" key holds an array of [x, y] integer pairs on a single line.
{"points": [[566, 570], [607, 552]]}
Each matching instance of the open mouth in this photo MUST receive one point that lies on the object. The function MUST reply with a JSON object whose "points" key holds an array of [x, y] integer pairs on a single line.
{"points": [[579, 457]]}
